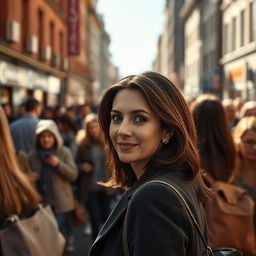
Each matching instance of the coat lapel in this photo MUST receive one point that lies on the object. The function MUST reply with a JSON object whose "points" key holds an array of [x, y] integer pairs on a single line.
{"points": [[120, 209], [113, 218]]}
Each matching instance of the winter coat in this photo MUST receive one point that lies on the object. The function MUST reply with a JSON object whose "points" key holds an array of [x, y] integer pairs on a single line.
{"points": [[63, 174], [157, 221]]}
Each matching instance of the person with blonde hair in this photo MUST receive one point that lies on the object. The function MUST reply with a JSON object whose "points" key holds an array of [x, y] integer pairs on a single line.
{"points": [[92, 167], [245, 139], [17, 195], [248, 109]]}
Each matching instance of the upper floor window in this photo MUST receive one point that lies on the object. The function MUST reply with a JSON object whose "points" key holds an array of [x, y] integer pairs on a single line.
{"points": [[233, 34], [252, 21], [242, 28]]}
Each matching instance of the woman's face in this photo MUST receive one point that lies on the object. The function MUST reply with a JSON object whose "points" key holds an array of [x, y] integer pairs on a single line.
{"points": [[248, 145], [46, 139], [94, 129], [135, 131]]}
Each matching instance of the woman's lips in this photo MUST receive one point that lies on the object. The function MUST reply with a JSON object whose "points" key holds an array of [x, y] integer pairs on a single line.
{"points": [[126, 145]]}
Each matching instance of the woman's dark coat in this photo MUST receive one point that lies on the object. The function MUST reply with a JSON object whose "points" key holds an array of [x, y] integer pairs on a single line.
{"points": [[158, 223]]}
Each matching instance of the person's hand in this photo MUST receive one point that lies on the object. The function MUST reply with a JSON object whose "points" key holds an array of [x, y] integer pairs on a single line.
{"points": [[52, 160], [87, 167]]}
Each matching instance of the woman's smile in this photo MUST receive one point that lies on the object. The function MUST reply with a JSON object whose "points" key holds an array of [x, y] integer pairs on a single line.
{"points": [[126, 146]]}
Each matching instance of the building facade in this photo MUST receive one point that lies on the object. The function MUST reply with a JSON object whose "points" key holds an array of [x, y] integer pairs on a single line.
{"points": [[32, 52], [239, 48], [191, 14], [79, 77]]}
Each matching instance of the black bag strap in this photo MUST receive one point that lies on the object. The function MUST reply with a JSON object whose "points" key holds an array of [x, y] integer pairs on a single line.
{"points": [[125, 238]]}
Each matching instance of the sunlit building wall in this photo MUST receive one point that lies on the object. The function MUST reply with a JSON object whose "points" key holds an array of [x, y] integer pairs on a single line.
{"points": [[175, 45], [191, 14], [211, 81], [239, 48]]}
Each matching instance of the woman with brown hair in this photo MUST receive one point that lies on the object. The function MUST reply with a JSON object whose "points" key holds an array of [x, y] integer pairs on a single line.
{"points": [[150, 135], [215, 141], [17, 195]]}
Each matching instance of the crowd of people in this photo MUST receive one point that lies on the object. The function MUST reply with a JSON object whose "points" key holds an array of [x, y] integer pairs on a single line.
{"points": [[143, 132]]}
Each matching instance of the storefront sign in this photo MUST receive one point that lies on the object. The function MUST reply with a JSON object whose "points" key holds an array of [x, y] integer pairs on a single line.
{"points": [[237, 76], [73, 27], [54, 85], [237, 73], [12, 75]]}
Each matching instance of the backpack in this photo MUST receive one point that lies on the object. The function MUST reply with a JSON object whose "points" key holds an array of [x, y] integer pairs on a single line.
{"points": [[230, 218]]}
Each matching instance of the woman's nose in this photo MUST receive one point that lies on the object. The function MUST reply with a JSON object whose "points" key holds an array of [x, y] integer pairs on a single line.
{"points": [[124, 129]]}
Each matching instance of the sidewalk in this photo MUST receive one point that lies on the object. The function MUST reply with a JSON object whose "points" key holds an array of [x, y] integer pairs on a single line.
{"points": [[82, 243]]}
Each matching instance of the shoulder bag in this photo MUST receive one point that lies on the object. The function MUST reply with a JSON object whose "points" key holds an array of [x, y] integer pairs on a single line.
{"points": [[37, 235], [208, 252]]}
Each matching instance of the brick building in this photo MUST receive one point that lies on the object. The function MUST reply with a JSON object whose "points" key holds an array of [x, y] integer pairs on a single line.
{"points": [[33, 52]]}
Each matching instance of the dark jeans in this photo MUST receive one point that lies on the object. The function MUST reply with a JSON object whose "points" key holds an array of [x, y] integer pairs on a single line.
{"points": [[65, 223], [98, 208]]}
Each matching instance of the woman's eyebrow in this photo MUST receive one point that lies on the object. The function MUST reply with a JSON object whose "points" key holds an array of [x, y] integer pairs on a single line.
{"points": [[133, 112]]}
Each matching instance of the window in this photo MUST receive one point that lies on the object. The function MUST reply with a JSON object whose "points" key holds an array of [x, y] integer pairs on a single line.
{"points": [[252, 21], [225, 39], [61, 44], [233, 47], [24, 23], [242, 28], [52, 37], [40, 32]]}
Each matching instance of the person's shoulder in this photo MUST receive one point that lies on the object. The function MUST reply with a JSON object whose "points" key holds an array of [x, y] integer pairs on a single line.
{"points": [[154, 191], [16, 123], [65, 150]]}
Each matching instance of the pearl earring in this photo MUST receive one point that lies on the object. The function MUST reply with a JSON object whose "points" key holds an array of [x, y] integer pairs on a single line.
{"points": [[165, 141]]}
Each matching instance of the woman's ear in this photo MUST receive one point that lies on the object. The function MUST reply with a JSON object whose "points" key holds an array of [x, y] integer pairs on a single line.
{"points": [[167, 134]]}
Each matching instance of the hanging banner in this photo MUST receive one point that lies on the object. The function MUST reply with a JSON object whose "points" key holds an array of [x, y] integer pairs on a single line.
{"points": [[74, 27]]}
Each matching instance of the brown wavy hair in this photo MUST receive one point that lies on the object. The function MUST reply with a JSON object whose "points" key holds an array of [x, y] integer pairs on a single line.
{"points": [[167, 102], [17, 195]]}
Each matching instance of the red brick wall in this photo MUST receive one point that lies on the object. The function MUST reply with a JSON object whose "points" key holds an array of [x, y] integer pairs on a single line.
{"points": [[32, 21]]}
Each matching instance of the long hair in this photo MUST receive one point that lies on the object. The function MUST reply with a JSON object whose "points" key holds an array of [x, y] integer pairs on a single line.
{"points": [[166, 102], [216, 145], [16, 192]]}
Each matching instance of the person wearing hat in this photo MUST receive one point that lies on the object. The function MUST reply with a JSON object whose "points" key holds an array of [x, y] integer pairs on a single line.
{"points": [[55, 168]]}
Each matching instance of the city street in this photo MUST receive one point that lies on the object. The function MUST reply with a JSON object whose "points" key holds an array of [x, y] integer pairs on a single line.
{"points": [[82, 244]]}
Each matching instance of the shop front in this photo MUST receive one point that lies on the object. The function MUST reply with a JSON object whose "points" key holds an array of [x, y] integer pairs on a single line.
{"points": [[18, 82]]}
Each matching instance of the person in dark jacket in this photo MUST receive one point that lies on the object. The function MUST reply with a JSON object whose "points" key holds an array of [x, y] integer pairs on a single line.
{"points": [[149, 134]]}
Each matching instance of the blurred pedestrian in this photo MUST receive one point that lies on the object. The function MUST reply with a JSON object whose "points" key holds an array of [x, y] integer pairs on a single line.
{"points": [[8, 112], [215, 141], [245, 138], [56, 169], [83, 111], [68, 129], [91, 162], [231, 112], [248, 109], [17, 195], [149, 134], [23, 129]]}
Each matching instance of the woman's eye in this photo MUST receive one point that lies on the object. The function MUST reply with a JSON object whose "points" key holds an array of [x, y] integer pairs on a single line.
{"points": [[116, 118], [140, 119]]}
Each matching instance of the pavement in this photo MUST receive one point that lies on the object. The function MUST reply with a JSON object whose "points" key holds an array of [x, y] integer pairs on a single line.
{"points": [[82, 243]]}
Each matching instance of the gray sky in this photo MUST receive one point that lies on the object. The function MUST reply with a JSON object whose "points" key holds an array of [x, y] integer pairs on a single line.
{"points": [[134, 27]]}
